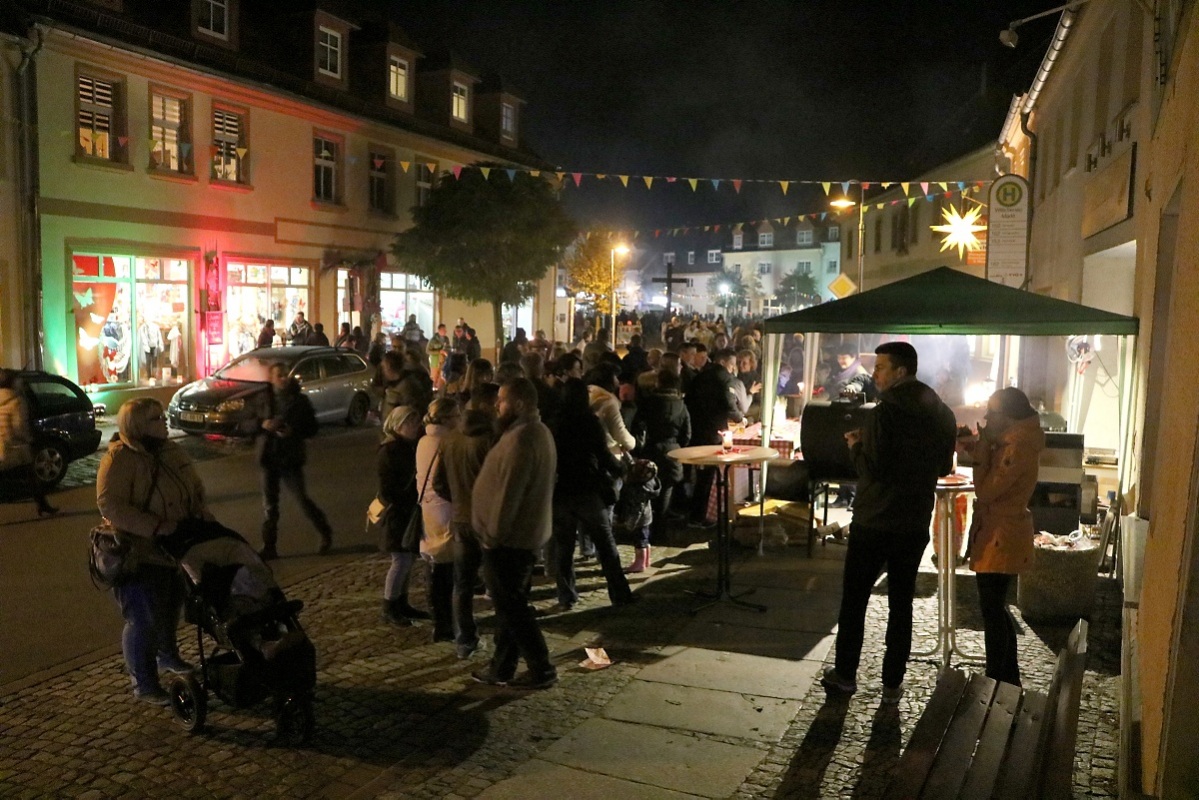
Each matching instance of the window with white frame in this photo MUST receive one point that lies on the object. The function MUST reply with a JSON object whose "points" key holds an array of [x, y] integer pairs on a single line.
{"points": [[508, 119], [738, 238], [98, 120], [690, 257], [765, 267], [170, 133], [229, 145], [460, 106], [803, 267], [397, 78], [766, 240], [803, 236], [324, 169], [424, 182], [713, 256], [668, 258], [328, 52], [214, 18], [834, 233], [832, 267]]}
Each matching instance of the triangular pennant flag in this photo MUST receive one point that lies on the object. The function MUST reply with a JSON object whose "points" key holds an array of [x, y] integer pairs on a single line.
{"points": [[624, 180], [377, 162], [881, 206], [511, 174], [600, 176], [486, 172], [786, 221], [785, 185], [904, 186], [657, 234], [978, 184], [716, 228], [894, 202], [432, 167], [649, 182], [944, 186], [707, 228], [961, 185], [737, 186], [536, 173], [122, 140], [241, 152], [578, 176], [844, 187], [457, 170], [865, 186], [886, 185], [924, 187], [671, 180], [561, 176], [404, 165], [911, 201], [823, 214], [694, 182], [737, 228], [826, 186], [716, 183]]}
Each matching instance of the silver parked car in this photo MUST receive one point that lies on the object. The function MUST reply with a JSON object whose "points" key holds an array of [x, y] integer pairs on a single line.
{"points": [[234, 399]]}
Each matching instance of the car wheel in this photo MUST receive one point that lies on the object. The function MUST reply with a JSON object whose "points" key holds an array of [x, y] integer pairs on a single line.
{"points": [[359, 406], [49, 464]]}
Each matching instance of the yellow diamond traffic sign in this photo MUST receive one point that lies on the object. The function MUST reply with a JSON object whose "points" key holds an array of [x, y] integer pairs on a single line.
{"points": [[842, 286]]}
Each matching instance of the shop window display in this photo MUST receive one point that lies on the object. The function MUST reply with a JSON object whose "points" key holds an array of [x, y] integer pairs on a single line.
{"points": [[131, 319], [258, 292], [401, 295]]}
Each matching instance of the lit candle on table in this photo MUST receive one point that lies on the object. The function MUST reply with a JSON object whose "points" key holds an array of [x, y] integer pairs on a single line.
{"points": [[726, 440]]}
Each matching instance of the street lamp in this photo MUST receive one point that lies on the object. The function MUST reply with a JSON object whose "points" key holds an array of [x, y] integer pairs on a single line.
{"points": [[624, 251], [844, 203]]}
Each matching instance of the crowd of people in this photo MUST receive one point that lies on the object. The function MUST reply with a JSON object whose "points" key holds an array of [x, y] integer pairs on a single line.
{"points": [[487, 472]]}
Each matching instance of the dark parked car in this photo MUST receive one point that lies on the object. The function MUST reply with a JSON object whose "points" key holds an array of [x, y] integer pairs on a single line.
{"points": [[64, 424], [234, 400]]}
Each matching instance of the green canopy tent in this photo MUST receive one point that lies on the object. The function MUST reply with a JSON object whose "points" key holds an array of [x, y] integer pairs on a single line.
{"points": [[946, 301]]}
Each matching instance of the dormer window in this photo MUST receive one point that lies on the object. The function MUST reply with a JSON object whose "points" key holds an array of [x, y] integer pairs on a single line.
{"points": [[397, 78], [508, 119], [803, 236], [737, 239], [328, 52], [765, 240], [460, 107], [214, 18]]}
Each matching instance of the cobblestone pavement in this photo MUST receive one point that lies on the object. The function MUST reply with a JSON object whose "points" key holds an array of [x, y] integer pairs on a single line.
{"points": [[397, 716]]}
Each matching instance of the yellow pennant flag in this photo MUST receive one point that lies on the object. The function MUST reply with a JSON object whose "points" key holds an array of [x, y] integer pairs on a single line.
{"points": [[432, 165], [826, 186], [561, 175], [624, 180], [694, 182], [649, 182], [404, 165], [486, 172], [886, 185], [911, 201], [241, 152], [786, 221], [536, 173], [786, 185], [905, 186], [599, 176], [944, 186]]}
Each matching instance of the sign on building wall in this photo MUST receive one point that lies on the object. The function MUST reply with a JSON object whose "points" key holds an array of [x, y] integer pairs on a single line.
{"points": [[1007, 234]]}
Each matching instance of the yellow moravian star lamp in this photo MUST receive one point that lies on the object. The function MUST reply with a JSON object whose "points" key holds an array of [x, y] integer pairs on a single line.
{"points": [[961, 230]]}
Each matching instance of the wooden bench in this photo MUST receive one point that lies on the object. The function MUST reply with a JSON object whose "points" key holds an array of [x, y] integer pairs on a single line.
{"points": [[979, 738]]}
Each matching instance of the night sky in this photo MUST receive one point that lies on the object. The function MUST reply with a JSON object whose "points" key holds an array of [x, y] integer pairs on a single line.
{"points": [[758, 89]]}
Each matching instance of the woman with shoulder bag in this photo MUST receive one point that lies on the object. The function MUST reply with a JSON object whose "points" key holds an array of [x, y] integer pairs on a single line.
{"points": [[397, 490], [145, 486], [437, 545], [16, 440]]}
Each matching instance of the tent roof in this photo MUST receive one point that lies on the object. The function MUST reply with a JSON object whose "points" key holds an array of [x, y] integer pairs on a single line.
{"points": [[947, 301]]}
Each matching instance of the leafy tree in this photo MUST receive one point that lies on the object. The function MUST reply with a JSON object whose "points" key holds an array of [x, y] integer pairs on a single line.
{"points": [[728, 290], [798, 287], [486, 239], [589, 268]]}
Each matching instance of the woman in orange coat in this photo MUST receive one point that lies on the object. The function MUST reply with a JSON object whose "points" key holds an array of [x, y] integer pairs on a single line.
{"points": [[1006, 457]]}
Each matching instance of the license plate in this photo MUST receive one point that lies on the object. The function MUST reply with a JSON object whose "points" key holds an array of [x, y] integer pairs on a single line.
{"points": [[191, 416]]}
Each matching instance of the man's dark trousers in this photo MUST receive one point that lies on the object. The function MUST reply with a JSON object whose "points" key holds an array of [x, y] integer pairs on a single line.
{"points": [[293, 479], [508, 573], [468, 558], [869, 552]]}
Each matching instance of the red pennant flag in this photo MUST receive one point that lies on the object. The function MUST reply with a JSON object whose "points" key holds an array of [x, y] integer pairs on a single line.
{"points": [[924, 187], [457, 170], [716, 228], [737, 185], [865, 186], [123, 140], [671, 180], [578, 176], [378, 163], [657, 234]]}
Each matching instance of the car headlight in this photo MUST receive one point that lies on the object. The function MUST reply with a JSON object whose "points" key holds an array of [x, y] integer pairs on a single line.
{"points": [[232, 405]]}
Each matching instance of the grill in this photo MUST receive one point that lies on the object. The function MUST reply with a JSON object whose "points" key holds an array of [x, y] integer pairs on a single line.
{"points": [[822, 438]]}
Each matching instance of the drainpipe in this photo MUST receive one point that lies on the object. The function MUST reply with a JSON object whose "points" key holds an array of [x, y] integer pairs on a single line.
{"points": [[29, 188], [1032, 178]]}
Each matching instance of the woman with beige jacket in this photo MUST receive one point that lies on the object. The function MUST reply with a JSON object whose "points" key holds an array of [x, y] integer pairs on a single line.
{"points": [[1006, 459], [144, 487], [16, 440]]}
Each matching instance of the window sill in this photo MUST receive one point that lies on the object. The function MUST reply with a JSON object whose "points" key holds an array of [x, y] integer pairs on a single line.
{"points": [[101, 163], [230, 186], [172, 176], [325, 205]]}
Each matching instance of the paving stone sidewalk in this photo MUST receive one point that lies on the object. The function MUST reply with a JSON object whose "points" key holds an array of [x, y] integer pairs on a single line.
{"points": [[721, 704]]}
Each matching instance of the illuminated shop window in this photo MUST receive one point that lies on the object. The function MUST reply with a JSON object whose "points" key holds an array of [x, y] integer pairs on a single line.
{"points": [[258, 292], [132, 320], [400, 295]]}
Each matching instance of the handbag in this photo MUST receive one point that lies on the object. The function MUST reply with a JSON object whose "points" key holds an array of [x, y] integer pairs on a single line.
{"points": [[375, 511], [414, 531], [116, 556]]}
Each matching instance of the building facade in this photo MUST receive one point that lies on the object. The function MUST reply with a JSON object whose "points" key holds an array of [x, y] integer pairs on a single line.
{"points": [[184, 201]]}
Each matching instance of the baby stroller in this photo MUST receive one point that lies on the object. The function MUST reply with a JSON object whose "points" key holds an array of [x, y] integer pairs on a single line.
{"points": [[260, 651]]}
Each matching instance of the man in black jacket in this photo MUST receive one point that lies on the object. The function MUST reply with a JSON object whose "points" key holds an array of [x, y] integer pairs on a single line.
{"points": [[712, 402], [282, 455], [906, 444]]}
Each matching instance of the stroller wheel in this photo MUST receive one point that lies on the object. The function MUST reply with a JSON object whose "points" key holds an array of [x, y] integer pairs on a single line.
{"points": [[189, 702], [294, 721]]}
